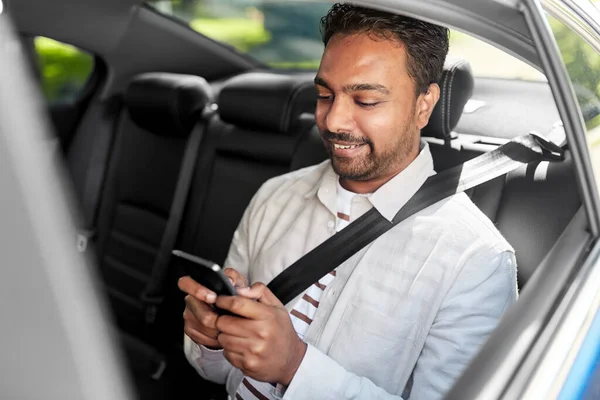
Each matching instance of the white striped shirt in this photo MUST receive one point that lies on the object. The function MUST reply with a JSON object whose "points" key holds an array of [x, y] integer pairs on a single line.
{"points": [[305, 308], [404, 315]]}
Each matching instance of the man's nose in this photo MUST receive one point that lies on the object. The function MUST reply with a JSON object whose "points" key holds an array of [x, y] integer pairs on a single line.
{"points": [[339, 116]]}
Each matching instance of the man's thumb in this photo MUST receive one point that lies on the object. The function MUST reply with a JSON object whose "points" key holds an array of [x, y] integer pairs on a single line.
{"points": [[259, 291], [237, 280]]}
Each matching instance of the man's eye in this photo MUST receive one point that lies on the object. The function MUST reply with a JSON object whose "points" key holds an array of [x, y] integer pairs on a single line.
{"points": [[324, 97], [366, 105]]}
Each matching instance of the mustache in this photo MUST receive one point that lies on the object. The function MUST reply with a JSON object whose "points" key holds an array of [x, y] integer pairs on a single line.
{"points": [[344, 137]]}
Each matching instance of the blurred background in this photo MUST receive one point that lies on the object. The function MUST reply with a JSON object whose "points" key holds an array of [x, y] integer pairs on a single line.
{"points": [[286, 36]]}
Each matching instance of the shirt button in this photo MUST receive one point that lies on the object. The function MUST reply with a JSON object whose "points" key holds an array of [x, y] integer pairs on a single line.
{"points": [[330, 224]]}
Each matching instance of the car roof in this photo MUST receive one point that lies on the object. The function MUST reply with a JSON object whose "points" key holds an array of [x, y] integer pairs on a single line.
{"points": [[101, 25]]}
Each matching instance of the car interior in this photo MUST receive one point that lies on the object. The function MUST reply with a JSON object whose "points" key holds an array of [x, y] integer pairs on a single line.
{"points": [[155, 81]]}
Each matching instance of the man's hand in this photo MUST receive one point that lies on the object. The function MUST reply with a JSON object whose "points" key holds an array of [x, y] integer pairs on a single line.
{"points": [[264, 343], [199, 315]]}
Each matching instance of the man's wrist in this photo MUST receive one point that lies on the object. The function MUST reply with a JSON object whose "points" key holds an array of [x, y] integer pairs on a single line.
{"points": [[295, 363]]}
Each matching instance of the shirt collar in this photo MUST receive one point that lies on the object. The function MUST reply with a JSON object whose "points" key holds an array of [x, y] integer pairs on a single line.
{"points": [[396, 192], [390, 197]]}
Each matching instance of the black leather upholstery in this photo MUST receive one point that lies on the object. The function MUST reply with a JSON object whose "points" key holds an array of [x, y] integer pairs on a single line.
{"points": [[167, 104], [266, 101], [538, 202], [234, 161], [456, 88], [530, 206], [160, 111], [310, 149]]}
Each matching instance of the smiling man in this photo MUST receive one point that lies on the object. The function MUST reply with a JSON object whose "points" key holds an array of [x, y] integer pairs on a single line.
{"points": [[403, 316]]}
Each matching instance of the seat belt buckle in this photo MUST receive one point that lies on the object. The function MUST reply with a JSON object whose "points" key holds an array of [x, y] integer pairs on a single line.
{"points": [[84, 236], [549, 149], [152, 303]]}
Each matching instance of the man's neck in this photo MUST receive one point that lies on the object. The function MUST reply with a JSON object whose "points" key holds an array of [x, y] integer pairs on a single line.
{"points": [[364, 187], [371, 185]]}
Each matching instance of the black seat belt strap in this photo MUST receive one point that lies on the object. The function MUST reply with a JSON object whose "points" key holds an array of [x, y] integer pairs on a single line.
{"points": [[343, 245], [153, 293]]}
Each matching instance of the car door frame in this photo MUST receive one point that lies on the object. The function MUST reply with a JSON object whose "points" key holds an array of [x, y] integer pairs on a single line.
{"points": [[57, 340]]}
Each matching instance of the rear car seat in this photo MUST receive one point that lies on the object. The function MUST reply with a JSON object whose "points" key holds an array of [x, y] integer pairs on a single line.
{"points": [[261, 120], [532, 205], [253, 138], [89, 152], [160, 111]]}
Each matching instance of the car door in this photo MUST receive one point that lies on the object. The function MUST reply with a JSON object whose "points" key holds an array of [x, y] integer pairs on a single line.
{"points": [[56, 343]]}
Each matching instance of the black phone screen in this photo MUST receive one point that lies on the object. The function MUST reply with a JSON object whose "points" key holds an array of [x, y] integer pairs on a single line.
{"points": [[205, 272]]}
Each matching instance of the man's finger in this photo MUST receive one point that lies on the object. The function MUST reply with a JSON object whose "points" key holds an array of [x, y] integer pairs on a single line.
{"points": [[201, 311], [241, 306], [237, 344], [237, 280], [200, 338], [193, 288], [236, 326], [259, 291]]}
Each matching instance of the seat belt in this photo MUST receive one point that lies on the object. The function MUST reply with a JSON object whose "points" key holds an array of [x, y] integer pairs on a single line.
{"points": [[334, 251], [93, 186], [152, 296]]}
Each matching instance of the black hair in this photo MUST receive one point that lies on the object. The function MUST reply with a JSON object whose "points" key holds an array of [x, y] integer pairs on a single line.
{"points": [[426, 44]]}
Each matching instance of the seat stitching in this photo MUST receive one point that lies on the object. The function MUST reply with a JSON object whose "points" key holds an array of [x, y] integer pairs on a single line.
{"points": [[445, 79], [447, 117]]}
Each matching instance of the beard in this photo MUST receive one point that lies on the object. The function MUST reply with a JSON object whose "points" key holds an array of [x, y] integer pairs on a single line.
{"points": [[373, 163]]}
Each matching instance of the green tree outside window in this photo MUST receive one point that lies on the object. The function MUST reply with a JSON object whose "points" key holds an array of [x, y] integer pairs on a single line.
{"points": [[64, 69]]}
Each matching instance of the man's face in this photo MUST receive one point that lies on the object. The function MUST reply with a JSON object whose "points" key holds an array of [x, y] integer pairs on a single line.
{"points": [[367, 111]]}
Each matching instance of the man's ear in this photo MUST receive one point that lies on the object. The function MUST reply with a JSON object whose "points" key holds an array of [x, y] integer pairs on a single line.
{"points": [[425, 104]]}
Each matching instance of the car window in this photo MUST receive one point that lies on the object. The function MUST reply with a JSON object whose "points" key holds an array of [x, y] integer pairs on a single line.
{"points": [[583, 66], [64, 69], [582, 63], [286, 34]]}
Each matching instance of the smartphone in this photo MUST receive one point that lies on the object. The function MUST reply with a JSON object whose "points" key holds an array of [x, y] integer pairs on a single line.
{"points": [[206, 273]]}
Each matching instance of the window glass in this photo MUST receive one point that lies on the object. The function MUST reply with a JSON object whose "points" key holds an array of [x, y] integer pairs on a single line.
{"points": [[64, 69], [583, 66], [286, 34]]}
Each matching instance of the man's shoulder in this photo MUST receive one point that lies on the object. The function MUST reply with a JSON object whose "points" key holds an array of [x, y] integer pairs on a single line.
{"points": [[299, 182], [458, 215]]}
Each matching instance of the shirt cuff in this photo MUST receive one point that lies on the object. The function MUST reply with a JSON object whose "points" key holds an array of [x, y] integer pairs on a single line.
{"points": [[210, 364], [194, 351], [209, 354], [317, 377]]}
